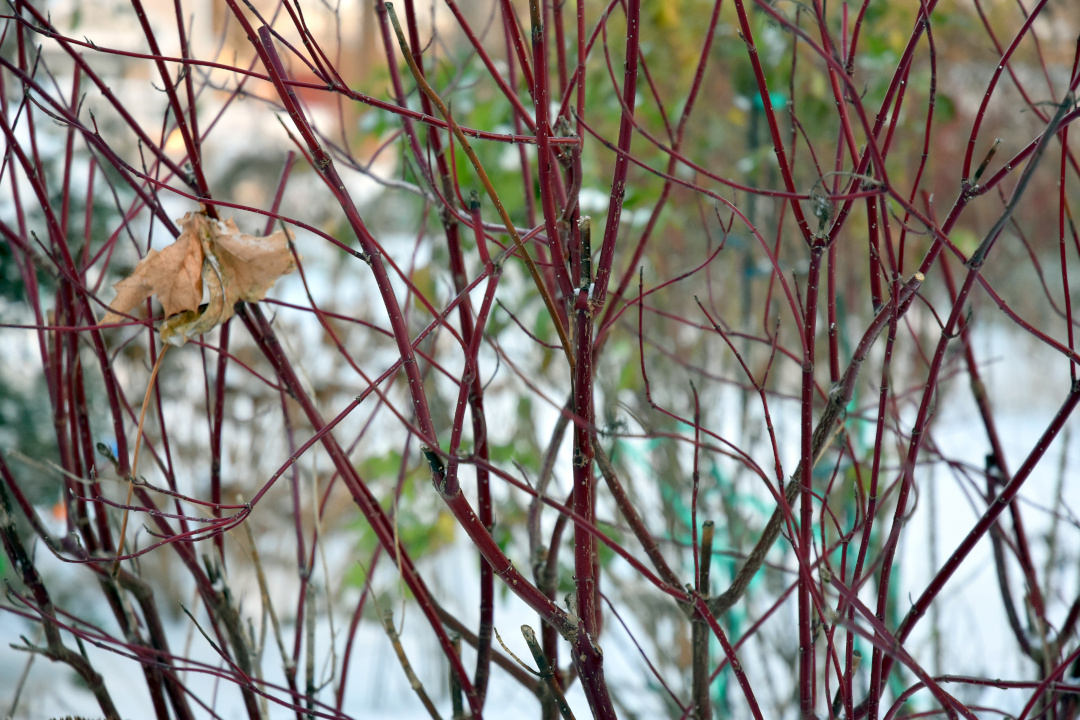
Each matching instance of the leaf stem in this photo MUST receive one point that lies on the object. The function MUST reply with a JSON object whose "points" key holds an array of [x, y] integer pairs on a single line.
{"points": [[135, 456]]}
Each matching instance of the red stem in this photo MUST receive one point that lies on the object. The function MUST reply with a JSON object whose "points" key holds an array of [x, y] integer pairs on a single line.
{"points": [[622, 164]]}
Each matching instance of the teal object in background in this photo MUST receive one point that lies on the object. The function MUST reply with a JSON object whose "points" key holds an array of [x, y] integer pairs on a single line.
{"points": [[777, 99]]}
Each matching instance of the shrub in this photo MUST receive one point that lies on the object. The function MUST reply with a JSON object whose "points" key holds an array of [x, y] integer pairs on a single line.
{"points": [[723, 343]]}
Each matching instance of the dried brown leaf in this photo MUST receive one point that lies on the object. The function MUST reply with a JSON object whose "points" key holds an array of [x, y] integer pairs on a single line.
{"points": [[249, 265], [211, 260], [172, 274]]}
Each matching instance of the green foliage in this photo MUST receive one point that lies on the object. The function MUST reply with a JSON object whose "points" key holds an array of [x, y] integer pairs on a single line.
{"points": [[12, 289]]}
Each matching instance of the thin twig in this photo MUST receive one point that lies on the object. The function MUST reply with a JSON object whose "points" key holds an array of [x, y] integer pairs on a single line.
{"points": [[546, 672], [414, 682]]}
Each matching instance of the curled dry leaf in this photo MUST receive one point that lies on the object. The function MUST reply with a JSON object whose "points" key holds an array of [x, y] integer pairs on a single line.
{"points": [[211, 260]]}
